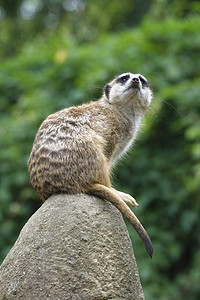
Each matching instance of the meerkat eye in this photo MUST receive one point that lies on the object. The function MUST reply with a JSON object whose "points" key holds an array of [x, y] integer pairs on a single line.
{"points": [[143, 81], [123, 79]]}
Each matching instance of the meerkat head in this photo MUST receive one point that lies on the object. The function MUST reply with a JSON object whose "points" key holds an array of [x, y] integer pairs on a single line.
{"points": [[129, 89]]}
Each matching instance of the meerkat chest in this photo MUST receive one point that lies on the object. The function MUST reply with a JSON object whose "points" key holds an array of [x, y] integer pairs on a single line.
{"points": [[126, 138]]}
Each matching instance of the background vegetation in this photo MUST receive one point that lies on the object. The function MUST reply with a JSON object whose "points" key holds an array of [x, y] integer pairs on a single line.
{"points": [[56, 53]]}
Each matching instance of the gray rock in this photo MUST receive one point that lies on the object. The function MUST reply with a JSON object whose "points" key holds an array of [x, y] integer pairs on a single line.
{"points": [[75, 247]]}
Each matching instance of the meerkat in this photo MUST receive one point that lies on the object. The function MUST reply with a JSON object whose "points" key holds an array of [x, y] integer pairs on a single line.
{"points": [[75, 148]]}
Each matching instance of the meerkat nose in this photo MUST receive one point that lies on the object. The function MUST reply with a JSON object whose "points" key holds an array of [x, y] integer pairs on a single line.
{"points": [[136, 80]]}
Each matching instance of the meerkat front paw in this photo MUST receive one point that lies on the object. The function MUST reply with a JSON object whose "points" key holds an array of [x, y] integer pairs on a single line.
{"points": [[128, 199]]}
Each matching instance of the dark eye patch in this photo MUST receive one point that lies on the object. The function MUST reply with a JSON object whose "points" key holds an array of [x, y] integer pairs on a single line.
{"points": [[107, 90], [123, 79], [143, 81]]}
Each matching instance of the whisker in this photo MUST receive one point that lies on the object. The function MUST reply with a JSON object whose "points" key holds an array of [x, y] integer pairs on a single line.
{"points": [[173, 107]]}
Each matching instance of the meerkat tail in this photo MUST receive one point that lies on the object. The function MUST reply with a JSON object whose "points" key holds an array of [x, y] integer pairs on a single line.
{"points": [[108, 194]]}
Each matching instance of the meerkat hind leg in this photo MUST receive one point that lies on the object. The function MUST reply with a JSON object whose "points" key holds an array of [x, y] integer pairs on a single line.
{"points": [[128, 199]]}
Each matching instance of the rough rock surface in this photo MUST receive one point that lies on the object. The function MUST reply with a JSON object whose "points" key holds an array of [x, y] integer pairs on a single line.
{"points": [[75, 247]]}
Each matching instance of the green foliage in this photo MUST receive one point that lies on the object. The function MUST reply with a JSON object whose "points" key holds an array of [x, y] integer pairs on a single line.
{"points": [[28, 19], [162, 171]]}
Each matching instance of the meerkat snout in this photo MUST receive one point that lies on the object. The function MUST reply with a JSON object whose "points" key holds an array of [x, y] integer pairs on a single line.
{"points": [[135, 81], [140, 82]]}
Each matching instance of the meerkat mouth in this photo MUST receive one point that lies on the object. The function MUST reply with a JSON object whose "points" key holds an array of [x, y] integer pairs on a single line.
{"points": [[135, 87]]}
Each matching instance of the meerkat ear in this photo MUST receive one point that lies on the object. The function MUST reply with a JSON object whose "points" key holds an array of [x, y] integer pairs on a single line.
{"points": [[107, 90]]}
